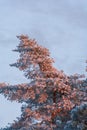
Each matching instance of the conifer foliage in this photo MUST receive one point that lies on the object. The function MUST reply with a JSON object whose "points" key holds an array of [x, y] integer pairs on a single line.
{"points": [[50, 94]]}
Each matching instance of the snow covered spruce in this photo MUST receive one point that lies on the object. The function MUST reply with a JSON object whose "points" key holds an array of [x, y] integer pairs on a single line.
{"points": [[53, 100]]}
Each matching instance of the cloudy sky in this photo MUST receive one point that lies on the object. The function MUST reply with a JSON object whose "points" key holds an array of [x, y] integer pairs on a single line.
{"points": [[59, 25]]}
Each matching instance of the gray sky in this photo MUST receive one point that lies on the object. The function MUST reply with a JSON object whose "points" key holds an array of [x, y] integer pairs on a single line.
{"points": [[59, 25]]}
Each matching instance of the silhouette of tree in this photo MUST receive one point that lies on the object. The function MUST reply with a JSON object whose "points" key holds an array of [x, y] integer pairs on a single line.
{"points": [[50, 94]]}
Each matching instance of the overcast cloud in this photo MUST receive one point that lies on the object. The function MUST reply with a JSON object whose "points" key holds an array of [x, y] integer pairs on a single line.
{"points": [[59, 25]]}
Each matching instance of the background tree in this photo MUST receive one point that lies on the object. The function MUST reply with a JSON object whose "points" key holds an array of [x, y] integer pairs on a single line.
{"points": [[50, 94]]}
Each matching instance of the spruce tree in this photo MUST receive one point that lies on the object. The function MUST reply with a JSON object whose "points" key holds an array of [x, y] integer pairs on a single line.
{"points": [[49, 95]]}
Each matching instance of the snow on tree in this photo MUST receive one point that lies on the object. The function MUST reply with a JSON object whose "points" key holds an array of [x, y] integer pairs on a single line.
{"points": [[78, 118], [50, 94]]}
